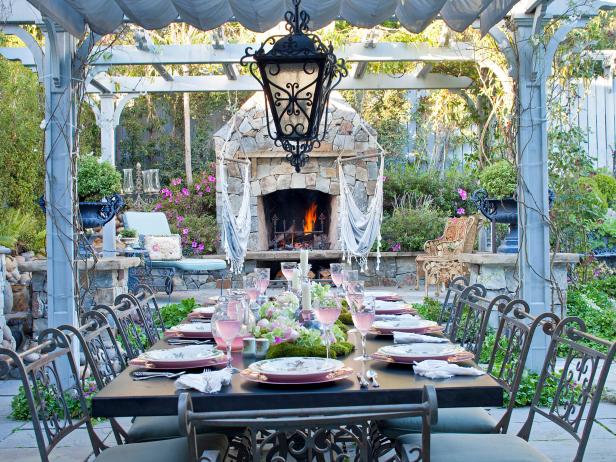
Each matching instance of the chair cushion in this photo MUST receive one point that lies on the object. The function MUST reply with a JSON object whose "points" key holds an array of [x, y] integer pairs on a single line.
{"points": [[164, 451], [147, 223], [163, 427], [163, 248], [450, 420], [465, 447], [193, 264]]}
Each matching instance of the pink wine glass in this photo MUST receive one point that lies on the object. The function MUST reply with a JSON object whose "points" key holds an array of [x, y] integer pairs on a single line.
{"points": [[327, 310], [227, 322], [263, 276], [363, 317], [336, 273], [288, 268], [252, 286]]}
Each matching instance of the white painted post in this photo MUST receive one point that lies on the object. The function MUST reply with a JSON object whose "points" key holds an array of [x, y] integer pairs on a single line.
{"points": [[107, 126], [59, 136], [533, 207]]}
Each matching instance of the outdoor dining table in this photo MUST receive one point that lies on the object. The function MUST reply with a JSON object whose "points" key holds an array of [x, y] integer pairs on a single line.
{"points": [[125, 397]]}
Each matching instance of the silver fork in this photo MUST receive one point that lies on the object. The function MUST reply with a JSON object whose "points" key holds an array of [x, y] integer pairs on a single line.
{"points": [[140, 375]]}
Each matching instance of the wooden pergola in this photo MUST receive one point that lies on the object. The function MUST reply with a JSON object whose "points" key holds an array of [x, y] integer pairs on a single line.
{"points": [[67, 71]]}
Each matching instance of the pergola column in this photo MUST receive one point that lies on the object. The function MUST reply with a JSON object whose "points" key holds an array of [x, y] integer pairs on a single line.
{"points": [[108, 144], [59, 181], [533, 206]]}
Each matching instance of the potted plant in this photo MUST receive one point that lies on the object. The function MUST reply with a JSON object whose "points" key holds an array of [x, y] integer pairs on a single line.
{"points": [[497, 202], [98, 185], [128, 236]]}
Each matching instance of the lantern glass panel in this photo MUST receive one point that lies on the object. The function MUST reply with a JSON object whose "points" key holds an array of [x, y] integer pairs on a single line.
{"points": [[293, 87]]}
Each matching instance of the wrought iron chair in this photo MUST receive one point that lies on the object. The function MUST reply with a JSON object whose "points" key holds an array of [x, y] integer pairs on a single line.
{"points": [[135, 332], [576, 397], [313, 433], [513, 337], [469, 323], [49, 383], [454, 290], [103, 358], [147, 301]]}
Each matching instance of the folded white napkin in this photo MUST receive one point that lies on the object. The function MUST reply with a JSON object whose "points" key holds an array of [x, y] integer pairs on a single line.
{"points": [[409, 337], [206, 382], [437, 369]]}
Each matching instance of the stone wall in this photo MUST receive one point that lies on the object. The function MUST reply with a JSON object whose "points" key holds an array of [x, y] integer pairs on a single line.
{"points": [[6, 337], [270, 171]]}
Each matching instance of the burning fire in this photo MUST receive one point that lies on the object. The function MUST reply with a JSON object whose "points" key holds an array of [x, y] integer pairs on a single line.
{"points": [[310, 218]]}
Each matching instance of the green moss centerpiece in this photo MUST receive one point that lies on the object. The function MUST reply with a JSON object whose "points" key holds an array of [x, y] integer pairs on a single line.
{"points": [[279, 324]]}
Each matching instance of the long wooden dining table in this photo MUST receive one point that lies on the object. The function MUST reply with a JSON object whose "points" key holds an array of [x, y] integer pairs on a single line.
{"points": [[158, 396]]}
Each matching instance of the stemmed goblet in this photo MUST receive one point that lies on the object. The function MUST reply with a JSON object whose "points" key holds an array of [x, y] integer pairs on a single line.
{"points": [[227, 322], [263, 276], [327, 310], [363, 315], [288, 268]]}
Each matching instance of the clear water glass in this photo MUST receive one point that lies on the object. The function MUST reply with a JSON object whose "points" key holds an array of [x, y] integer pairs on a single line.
{"points": [[336, 273], [263, 276], [252, 287], [349, 275]]}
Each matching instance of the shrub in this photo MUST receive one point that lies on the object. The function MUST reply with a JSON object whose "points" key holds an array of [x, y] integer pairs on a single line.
{"points": [[411, 228], [429, 309], [175, 313], [22, 230], [607, 186], [190, 210], [96, 179], [499, 179], [440, 189], [128, 233], [199, 234]]}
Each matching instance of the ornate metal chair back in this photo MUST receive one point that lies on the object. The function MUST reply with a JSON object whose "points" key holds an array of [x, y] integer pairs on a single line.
{"points": [[134, 332], [455, 289], [53, 390], [324, 431], [104, 358], [147, 300], [150, 319], [450, 320], [470, 321], [577, 382], [512, 341]]}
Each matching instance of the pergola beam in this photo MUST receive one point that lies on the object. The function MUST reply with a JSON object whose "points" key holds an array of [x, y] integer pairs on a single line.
{"points": [[128, 55], [144, 43], [124, 84]]}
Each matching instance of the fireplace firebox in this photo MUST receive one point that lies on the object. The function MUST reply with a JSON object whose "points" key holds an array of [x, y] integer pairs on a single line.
{"points": [[297, 218]]}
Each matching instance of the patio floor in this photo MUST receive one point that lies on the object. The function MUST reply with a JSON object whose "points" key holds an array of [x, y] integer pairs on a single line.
{"points": [[17, 441]]}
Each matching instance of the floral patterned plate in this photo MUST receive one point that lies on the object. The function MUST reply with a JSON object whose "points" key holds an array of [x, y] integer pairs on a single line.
{"points": [[408, 353], [204, 312], [339, 374], [296, 369], [191, 330], [417, 325], [185, 357], [386, 307]]}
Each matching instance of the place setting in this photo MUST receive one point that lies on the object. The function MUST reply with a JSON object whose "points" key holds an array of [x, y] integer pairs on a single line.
{"points": [[297, 371]]}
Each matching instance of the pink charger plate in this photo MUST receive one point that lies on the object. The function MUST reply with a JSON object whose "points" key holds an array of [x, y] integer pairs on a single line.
{"points": [[411, 330], [464, 356], [214, 363]]}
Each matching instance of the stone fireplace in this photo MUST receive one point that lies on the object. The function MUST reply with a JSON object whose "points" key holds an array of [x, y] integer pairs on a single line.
{"points": [[297, 210]]}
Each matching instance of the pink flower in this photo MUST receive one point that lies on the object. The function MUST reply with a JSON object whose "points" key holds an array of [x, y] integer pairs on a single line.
{"points": [[197, 186], [208, 189], [158, 206], [201, 247], [185, 231], [200, 193], [396, 247], [194, 244], [463, 194], [211, 179], [461, 211], [185, 192], [180, 218], [176, 181]]}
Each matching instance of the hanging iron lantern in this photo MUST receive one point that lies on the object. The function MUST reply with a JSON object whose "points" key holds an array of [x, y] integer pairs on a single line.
{"points": [[297, 74]]}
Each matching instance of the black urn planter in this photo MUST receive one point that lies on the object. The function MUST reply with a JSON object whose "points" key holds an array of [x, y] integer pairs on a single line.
{"points": [[500, 211], [95, 214]]}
